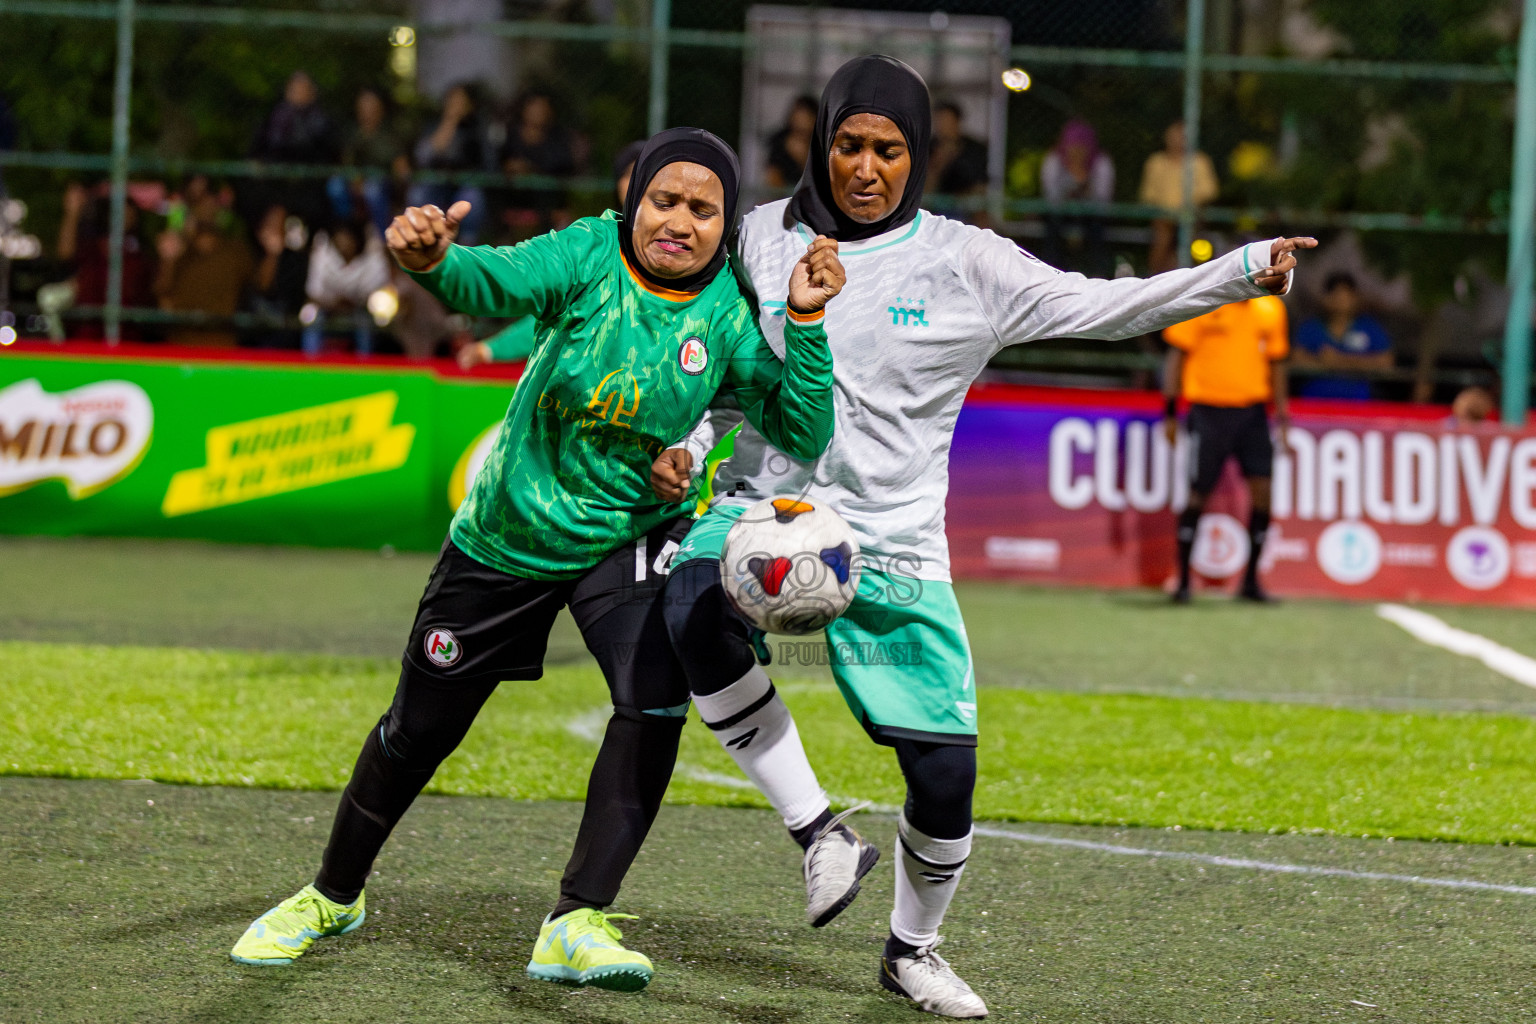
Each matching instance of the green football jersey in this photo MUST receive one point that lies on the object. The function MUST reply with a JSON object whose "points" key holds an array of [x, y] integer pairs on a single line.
{"points": [[620, 371]]}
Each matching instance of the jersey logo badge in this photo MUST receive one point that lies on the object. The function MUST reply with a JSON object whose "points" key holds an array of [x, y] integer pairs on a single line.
{"points": [[693, 356], [442, 647], [611, 405], [908, 312]]}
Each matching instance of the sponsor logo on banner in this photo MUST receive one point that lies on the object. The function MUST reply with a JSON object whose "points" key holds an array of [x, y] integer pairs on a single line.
{"points": [[1478, 557], [1040, 553], [1399, 477], [1525, 560], [1221, 546], [1349, 552], [470, 463], [293, 451], [90, 437], [442, 647]]}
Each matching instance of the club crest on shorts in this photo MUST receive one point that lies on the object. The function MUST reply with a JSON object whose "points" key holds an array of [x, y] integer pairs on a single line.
{"points": [[442, 647], [693, 356]]}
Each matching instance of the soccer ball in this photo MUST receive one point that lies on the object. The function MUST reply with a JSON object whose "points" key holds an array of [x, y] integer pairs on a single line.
{"points": [[790, 566]]}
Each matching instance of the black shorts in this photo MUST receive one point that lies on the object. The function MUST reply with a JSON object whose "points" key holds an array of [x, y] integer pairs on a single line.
{"points": [[477, 625], [1215, 432]]}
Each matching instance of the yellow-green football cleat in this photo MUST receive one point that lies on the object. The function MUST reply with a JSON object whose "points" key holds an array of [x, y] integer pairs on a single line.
{"points": [[284, 933], [582, 948]]}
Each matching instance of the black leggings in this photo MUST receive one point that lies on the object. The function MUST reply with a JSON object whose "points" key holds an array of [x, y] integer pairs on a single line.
{"points": [[709, 638], [495, 626], [941, 779]]}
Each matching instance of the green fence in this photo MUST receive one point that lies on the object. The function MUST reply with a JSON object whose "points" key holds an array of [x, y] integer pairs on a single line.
{"points": [[1399, 129]]}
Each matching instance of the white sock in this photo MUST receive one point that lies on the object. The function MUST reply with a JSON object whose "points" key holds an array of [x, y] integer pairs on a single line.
{"points": [[927, 875], [752, 723]]}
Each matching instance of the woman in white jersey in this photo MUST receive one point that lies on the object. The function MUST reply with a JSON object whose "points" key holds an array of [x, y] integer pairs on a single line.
{"points": [[928, 302]]}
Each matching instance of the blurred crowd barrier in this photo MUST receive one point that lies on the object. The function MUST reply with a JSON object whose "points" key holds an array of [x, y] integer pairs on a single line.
{"points": [[218, 174], [1060, 485]]}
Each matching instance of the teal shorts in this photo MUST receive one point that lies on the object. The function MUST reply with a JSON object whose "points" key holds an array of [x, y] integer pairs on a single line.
{"points": [[899, 654]]}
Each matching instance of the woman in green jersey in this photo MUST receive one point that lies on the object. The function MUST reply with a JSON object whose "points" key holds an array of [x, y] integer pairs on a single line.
{"points": [[640, 323]]}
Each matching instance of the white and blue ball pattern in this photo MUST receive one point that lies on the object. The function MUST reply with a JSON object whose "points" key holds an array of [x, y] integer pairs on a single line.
{"points": [[790, 566]]}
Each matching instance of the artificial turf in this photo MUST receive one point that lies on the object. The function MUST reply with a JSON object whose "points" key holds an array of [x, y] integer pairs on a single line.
{"points": [[120, 901], [263, 668], [296, 721], [195, 594]]}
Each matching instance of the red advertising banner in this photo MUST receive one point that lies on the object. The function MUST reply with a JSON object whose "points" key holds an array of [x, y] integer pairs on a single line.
{"points": [[1371, 501]]}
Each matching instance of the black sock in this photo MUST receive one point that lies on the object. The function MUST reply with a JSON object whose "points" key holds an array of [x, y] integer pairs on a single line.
{"points": [[567, 904], [1189, 523], [1258, 532], [894, 948], [806, 833], [624, 793]]}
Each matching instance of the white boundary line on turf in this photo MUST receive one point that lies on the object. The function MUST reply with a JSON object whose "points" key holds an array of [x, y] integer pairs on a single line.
{"points": [[1424, 626], [1216, 860], [1250, 865]]}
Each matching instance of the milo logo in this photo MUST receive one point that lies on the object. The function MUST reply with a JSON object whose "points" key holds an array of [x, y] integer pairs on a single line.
{"points": [[90, 437]]}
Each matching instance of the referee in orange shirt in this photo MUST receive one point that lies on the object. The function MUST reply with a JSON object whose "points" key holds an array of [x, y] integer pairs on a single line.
{"points": [[1228, 365]]}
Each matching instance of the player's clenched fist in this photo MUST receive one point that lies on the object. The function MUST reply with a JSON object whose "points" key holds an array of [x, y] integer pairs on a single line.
{"points": [[817, 277], [419, 238], [671, 473]]}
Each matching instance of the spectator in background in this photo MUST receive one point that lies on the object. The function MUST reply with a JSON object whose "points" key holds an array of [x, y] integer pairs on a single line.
{"points": [[1162, 184], [277, 288], [957, 163], [297, 131], [514, 342], [1342, 338], [346, 265], [789, 146], [378, 152], [623, 167], [421, 325], [203, 269], [85, 244], [1076, 170], [456, 143], [537, 143], [1471, 407]]}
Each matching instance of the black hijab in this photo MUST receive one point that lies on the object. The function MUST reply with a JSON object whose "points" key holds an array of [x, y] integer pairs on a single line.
{"points": [[683, 145], [865, 85]]}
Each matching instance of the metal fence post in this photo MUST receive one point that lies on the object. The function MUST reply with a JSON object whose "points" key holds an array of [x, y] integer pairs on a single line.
{"points": [[661, 54], [1194, 54], [1522, 214], [121, 91]]}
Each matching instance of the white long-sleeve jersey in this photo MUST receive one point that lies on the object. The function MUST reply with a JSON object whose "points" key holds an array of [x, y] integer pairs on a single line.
{"points": [[925, 307]]}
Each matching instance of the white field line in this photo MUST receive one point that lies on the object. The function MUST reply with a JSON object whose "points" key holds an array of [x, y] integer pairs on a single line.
{"points": [[1250, 865], [1241, 863], [1425, 627]]}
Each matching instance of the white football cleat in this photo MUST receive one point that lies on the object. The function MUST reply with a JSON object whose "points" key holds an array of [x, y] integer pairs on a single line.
{"points": [[927, 979], [834, 862]]}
